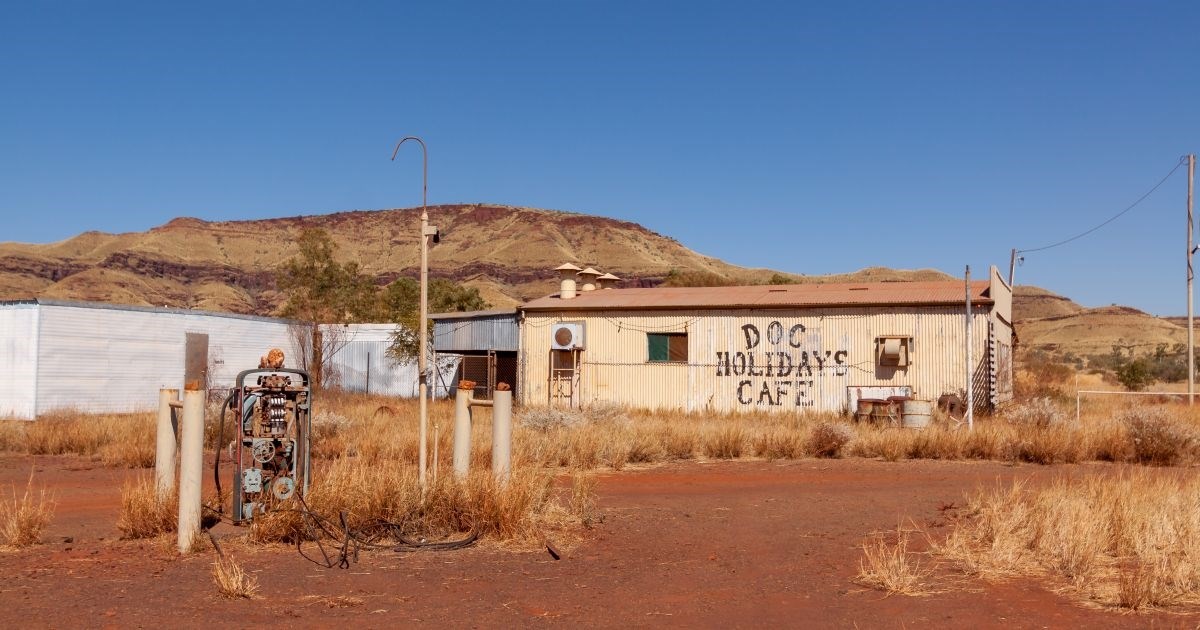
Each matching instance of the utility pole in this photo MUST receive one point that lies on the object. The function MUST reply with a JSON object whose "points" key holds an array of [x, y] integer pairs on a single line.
{"points": [[1012, 268], [1191, 353], [970, 358]]}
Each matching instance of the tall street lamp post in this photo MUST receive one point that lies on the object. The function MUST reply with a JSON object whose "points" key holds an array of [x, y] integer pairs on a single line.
{"points": [[427, 231]]}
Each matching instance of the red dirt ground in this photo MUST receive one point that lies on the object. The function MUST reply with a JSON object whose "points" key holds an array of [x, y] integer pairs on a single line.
{"points": [[742, 544]]}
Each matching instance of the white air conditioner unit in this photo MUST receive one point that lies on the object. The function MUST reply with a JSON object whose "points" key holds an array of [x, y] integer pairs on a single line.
{"points": [[567, 336]]}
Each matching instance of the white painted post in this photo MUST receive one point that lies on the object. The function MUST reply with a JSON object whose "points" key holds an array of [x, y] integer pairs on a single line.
{"points": [[462, 433], [165, 450], [191, 454], [502, 434]]}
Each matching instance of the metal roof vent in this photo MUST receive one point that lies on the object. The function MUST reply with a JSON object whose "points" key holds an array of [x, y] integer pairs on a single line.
{"points": [[566, 283], [608, 281], [588, 276]]}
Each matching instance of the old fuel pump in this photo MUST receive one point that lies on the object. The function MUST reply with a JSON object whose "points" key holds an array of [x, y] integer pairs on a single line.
{"points": [[271, 451]]}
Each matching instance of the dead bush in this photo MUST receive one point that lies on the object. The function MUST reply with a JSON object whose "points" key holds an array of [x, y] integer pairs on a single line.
{"points": [[828, 439], [1042, 377], [1156, 437], [1035, 412]]}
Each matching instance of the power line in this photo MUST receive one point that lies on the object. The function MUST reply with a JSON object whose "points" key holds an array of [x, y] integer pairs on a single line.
{"points": [[1112, 218]]}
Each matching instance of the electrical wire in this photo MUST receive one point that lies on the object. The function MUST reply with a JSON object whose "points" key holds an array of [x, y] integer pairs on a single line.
{"points": [[1110, 219]]}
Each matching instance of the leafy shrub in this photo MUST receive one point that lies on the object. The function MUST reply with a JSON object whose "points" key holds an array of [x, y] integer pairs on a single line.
{"points": [[1135, 375]]}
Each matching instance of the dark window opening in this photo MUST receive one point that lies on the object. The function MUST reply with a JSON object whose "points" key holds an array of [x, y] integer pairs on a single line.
{"points": [[667, 347]]}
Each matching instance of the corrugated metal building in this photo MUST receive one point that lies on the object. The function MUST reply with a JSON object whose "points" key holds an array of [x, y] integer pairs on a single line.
{"points": [[108, 358], [486, 345], [783, 348], [362, 364]]}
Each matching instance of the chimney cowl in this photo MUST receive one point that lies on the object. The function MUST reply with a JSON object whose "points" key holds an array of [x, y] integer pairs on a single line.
{"points": [[566, 284], [608, 281], [588, 277]]}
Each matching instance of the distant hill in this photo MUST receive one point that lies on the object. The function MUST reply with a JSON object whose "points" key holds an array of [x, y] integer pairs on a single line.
{"points": [[1052, 323], [508, 253]]}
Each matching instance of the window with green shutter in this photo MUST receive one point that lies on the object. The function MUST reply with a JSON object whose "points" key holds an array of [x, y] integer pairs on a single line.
{"points": [[667, 347]]}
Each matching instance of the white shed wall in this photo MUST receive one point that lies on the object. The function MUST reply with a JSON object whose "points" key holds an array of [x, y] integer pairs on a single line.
{"points": [[115, 360], [362, 365], [18, 360]]}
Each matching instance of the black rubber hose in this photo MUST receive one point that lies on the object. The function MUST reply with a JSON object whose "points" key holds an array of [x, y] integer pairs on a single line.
{"points": [[217, 454]]}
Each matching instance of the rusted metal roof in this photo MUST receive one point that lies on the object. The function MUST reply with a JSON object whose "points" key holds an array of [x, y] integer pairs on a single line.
{"points": [[474, 314], [769, 296]]}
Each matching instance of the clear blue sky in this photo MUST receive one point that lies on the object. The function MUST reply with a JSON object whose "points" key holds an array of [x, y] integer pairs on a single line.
{"points": [[806, 137]]}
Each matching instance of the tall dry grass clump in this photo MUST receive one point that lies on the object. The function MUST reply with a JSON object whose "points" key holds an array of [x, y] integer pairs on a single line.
{"points": [[724, 442], [24, 517], [384, 499], [232, 581], [583, 498], [1129, 539], [230, 578], [888, 565], [118, 440], [143, 513]]}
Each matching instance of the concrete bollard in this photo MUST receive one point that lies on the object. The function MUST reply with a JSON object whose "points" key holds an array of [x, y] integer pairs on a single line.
{"points": [[164, 453], [462, 432], [191, 466], [502, 434]]}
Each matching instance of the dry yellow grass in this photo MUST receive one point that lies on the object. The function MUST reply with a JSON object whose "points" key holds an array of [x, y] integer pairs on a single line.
{"points": [[382, 501], [118, 440], [24, 517], [143, 514], [377, 429], [888, 565], [583, 498], [1129, 539], [232, 581]]}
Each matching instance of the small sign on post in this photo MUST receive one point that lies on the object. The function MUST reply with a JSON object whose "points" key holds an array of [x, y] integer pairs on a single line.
{"points": [[195, 361]]}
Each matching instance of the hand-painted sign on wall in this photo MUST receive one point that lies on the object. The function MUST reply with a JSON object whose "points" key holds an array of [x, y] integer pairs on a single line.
{"points": [[785, 370]]}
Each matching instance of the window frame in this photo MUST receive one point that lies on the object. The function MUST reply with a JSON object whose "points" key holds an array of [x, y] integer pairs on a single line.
{"points": [[668, 337]]}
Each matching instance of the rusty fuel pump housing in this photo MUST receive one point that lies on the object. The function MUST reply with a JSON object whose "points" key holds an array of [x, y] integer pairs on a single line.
{"points": [[271, 452]]}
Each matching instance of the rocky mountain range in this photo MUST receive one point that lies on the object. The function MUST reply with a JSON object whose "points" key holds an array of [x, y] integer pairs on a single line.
{"points": [[508, 253]]}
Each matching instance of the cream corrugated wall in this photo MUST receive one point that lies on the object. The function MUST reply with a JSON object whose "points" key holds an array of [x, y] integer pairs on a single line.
{"points": [[614, 365]]}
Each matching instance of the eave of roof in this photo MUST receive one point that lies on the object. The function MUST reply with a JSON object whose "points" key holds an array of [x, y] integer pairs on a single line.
{"points": [[858, 294]]}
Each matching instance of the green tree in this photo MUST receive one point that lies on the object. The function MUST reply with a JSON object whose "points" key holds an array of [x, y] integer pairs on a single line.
{"points": [[319, 289], [1134, 375], [401, 301]]}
